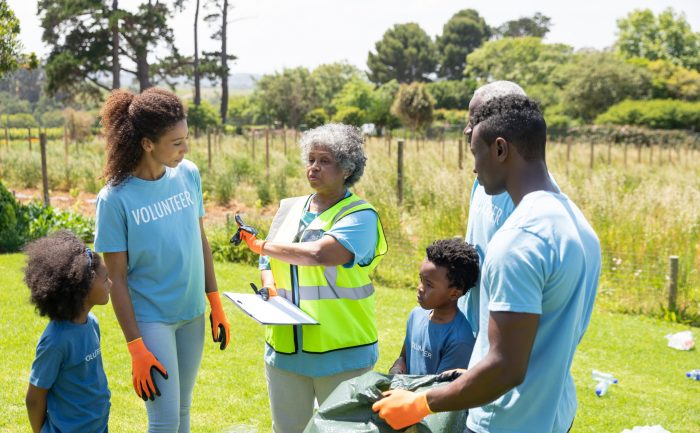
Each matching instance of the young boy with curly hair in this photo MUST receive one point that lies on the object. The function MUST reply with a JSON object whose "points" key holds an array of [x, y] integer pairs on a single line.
{"points": [[67, 386], [438, 335]]}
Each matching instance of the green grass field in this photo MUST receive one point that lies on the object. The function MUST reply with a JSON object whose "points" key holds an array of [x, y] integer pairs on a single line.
{"points": [[231, 396]]}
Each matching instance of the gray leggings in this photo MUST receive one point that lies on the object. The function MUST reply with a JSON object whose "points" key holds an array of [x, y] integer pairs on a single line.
{"points": [[178, 346]]}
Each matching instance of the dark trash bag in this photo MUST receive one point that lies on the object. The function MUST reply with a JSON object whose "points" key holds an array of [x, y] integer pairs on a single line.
{"points": [[349, 407]]}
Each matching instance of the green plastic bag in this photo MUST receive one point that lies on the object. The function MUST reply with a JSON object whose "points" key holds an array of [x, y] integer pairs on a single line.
{"points": [[349, 407]]}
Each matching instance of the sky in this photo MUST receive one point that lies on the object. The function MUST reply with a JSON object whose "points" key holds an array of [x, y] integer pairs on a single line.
{"points": [[270, 35]]}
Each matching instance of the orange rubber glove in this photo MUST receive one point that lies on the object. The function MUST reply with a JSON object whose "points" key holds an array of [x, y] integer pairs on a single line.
{"points": [[401, 408], [256, 245], [142, 365], [220, 328]]}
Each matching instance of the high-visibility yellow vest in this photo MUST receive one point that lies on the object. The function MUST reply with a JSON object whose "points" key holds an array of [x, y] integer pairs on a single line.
{"points": [[340, 299]]}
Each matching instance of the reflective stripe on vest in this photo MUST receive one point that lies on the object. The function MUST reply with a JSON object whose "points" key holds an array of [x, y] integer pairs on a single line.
{"points": [[340, 299]]}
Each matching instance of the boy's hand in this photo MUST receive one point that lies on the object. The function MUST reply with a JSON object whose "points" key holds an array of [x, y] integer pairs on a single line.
{"points": [[450, 375], [399, 366]]}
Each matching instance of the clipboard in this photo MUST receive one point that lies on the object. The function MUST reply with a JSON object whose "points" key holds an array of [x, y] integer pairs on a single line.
{"points": [[276, 311]]}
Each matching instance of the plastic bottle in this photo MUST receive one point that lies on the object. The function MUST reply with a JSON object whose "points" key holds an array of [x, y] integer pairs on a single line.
{"points": [[604, 380], [693, 374]]}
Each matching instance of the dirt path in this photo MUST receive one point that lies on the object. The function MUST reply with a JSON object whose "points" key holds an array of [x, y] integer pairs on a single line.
{"points": [[84, 204]]}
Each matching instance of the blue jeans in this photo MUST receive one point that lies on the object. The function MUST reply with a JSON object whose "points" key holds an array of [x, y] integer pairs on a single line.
{"points": [[178, 346]]}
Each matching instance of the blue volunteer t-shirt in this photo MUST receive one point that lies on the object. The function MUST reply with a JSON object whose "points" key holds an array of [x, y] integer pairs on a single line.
{"points": [[357, 232], [432, 348], [544, 260], [487, 213], [68, 363], [157, 223]]}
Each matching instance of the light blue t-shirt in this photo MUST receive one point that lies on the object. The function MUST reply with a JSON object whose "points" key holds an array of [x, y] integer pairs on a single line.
{"points": [[487, 213], [68, 363], [432, 348], [544, 260], [357, 232], [157, 223]]}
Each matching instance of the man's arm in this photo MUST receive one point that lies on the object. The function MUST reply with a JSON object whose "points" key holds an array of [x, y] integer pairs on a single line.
{"points": [[511, 337]]}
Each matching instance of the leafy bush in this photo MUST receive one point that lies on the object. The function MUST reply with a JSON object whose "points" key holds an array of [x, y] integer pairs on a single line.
{"points": [[20, 224], [350, 116], [14, 230], [45, 220], [655, 113], [451, 117], [223, 250], [19, 120], [316, 117], [202, 116]]}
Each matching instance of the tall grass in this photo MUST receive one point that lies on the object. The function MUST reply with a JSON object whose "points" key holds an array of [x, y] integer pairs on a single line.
{"points": [[644, 209]]}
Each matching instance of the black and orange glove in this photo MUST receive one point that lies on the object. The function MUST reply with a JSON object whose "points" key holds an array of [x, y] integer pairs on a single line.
{"points": [[143, 363], [220, 328], [401, 408], [242, 227]]}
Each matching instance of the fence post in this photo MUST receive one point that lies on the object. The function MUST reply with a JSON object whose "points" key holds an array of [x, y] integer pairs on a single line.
{"points": [[267, 153], [442, 142], [209, 148], [460, 151], [44, 170], [399, 172], [625, 152], [672, 282], [7, 137], [639, 153], [388, 142], [651, 154], [29, 138], [592, 154], [252, 143], [609, 151], [285, 140]]}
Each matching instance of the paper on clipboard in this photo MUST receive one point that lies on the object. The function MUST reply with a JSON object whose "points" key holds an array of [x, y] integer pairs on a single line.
{"points": [[276, 311]]}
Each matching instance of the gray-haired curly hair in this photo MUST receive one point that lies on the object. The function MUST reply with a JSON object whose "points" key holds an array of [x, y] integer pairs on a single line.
{"points": [[344, 141]]}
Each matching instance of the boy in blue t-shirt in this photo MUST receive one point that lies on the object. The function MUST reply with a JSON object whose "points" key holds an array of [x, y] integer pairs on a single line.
{"points": [[67, 386], [438, 335]]}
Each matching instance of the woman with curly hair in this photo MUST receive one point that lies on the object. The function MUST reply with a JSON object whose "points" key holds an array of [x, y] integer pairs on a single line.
{"points": [[319, 254], [149, 227], [67, 385]]}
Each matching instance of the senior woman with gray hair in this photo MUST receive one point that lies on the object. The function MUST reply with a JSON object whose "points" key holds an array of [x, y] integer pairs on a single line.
{"points": [[318, 254]]}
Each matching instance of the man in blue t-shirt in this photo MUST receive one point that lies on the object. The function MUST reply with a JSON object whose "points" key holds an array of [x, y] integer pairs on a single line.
{"points": [[438, 336], [539, 280]]}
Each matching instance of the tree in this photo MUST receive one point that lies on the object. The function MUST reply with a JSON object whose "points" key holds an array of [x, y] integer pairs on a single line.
{"points": [[453, 95], [329, 79], [355, 93], [413, 106], [380, 111], [527, 61], [83, 51], [671, 81], [597, 80], [286, 96], [10, 47], [242, 111], [405, 53], [217, 61], [666, 37], [537, 26], [201, 117], [461, 35]]}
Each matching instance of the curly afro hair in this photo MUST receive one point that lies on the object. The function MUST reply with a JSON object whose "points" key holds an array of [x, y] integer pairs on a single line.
{"points": [[459, 258], [127, 118], [517, 119], [59, 274]]}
